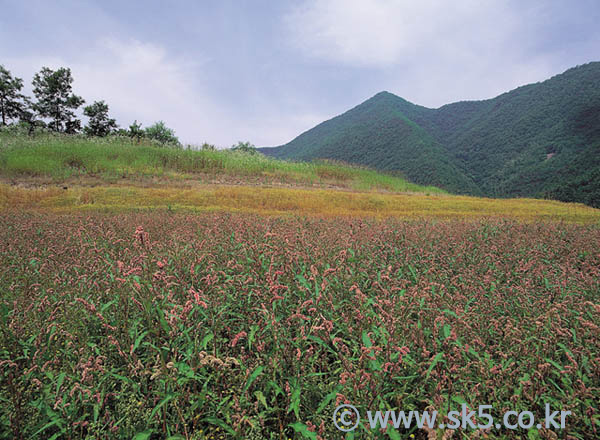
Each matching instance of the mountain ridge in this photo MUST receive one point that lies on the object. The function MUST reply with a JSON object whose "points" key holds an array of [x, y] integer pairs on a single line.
{"points": [[537, 140]]}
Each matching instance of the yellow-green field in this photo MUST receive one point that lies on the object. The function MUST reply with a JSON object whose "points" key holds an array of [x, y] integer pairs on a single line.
{"points": [[277, 201], [72, 173]]}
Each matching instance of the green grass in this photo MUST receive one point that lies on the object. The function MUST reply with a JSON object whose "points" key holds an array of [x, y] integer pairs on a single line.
{"points": [[65, 157]]}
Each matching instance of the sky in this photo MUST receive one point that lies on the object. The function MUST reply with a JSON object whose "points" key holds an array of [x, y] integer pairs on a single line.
{"points": [[265, 71]]}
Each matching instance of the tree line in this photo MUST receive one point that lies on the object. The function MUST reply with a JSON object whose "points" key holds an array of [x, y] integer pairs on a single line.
{"points": [[54, 109]]}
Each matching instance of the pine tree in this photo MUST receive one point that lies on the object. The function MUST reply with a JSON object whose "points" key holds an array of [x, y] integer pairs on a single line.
{"points": [[99, 124], [55, 99], [12, 102]]}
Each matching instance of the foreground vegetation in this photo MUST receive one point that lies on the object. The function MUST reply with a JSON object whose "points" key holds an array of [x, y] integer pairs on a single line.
{"points": [[238, 326], [60, 158]]}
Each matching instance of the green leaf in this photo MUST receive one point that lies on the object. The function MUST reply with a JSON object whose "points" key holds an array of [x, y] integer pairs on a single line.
{"points": [[4, 312], [60, 380], [145, 435], [162, 320], [261, 398], [413, 273], [303, 430], [328, 398], [556, 365], [162, 403], [303, 281], [436, 359], [107, 305], [220, 423], [321, 343], [123, 378], [96, 412], [446, 331], [393, 433], [295, 402], [257, 371], [406, 377], [275, 387], [209, 337], [252, 335], [459, 399], [43, 428], [450, 312], [136, 344]]}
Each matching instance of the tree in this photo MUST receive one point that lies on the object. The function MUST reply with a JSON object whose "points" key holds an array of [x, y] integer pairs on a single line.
{"points": [[52, 88], [121, 132], [99, 124], [163, 134], [12, 102], [244, 147], [135, 130], [29, 118]]}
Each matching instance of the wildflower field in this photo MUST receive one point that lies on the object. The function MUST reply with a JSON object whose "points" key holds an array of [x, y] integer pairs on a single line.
{"points": [[157, 324]]}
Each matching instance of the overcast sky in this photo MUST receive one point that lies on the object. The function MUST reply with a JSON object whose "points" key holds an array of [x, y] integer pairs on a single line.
{"points": [[265, 71]]}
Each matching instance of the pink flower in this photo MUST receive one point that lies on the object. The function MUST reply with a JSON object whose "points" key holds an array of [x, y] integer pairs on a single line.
{"points": [[237, 337]]}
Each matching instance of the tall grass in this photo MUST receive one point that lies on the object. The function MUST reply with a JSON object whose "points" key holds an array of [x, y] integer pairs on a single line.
{"points": [[63, 157]]}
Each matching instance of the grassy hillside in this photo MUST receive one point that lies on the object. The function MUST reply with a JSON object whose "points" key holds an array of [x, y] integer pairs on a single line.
{"points": [[540, 140], [54, 158], [74, 174]]}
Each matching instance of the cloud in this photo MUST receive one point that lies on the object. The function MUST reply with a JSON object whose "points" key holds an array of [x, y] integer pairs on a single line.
{"points": [[143, 81], [432, 51], [385, 32], [138, 81], [265, 73]]}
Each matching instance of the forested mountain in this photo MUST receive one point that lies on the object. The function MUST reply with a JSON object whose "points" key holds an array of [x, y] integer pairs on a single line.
{"points": [[539, 140]]}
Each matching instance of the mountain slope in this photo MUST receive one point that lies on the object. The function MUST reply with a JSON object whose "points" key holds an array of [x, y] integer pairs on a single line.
{"points": [[540, 140], [379, 133]]}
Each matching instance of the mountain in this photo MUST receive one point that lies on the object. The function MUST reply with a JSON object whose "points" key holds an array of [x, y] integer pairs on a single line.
{"points": [[539, 140]]}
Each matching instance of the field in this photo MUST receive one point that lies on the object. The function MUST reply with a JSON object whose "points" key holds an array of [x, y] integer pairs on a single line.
{"points": [[73, 174], [286, 201], [165, 305], [222, 324]]}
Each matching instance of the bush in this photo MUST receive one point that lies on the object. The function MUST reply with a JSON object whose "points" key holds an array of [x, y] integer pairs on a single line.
{"points": [[244, 147], [208, 147], [161, 133]]}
